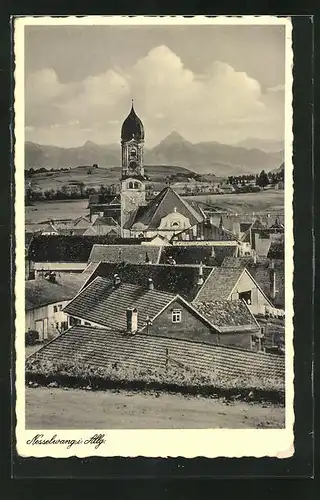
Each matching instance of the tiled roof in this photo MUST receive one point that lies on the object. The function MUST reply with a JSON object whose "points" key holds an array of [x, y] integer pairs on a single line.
{"points": [[227, 315], [260, 272], [209, 255], [219, 284], [104, 304], [160, 206], [101, 348], [178, 279], [125, 253], [206, 231], [40, 292]]}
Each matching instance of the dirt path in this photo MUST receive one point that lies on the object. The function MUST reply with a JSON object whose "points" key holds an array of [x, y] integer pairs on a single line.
{"points": [[78, 409]]}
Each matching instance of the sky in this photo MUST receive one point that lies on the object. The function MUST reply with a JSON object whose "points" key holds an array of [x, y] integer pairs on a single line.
{"points": [[209, 83]]}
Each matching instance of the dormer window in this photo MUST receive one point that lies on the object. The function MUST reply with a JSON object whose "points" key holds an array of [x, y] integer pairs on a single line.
{"points": [[175, 224]]}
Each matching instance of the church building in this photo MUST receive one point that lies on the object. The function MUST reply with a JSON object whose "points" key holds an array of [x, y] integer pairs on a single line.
{"points": [[167, 214]]}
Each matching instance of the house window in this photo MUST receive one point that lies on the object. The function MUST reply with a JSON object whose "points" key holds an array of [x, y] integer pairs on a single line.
{"points": [[246, 296], [86, 323], [176, 316], [55, 309], [60, 307], [175, 224]]}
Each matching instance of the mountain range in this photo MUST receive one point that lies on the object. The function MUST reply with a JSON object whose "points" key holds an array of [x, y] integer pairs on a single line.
{"points": [[203, 157]]}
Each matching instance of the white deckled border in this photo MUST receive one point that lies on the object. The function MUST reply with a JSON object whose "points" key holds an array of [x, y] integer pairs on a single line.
{"points": [[187, 443]]}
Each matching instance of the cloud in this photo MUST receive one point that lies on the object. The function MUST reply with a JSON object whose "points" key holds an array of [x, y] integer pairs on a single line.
{"points": [[220, 104]]}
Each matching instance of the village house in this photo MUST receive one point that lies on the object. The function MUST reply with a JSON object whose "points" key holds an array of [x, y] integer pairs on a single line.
{"points": [[268, 273], [104, 225], [104, 205], [132, 308], [224, 283], [125, 253], [61, 254], [44, 302], [205, 231]]}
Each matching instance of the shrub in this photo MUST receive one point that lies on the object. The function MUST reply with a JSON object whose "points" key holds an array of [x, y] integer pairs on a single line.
{"points": [[31, 337]]}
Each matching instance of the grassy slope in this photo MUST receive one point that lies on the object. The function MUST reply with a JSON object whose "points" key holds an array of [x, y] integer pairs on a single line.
{"points": [[270, 200], [78, 409], [101, 175]]}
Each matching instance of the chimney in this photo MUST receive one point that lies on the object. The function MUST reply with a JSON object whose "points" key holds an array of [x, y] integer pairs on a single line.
{"points": [[132, 320], [150, 284], [272, 275], [200, 275], [116, 280]]}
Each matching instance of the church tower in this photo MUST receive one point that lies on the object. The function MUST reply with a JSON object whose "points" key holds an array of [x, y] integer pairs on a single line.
{"points": [[132, 168]]}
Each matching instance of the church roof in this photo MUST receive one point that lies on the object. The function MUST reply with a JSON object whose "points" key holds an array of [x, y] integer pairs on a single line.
{"points": [[166, 202], [132, 127]]}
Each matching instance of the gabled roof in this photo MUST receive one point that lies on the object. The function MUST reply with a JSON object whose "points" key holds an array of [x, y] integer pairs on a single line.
{"points": [[160, 206], [90, 231], [228, 315], [105, 221], [125, 253], [206, 231], [98, 347], [41, 292], [259, 270], [106, 305], [50, 228], [178, 279], [219, 285], [81, 221]]}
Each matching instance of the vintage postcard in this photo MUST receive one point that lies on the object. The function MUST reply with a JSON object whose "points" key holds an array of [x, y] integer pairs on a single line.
{"points": [[154, 236]]}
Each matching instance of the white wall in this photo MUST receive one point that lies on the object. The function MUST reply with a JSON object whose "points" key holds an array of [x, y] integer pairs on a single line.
{"points": [[48, 317]]}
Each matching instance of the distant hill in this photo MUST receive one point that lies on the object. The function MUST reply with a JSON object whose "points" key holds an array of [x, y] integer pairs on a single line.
{"points": [[266, 145], [278, 170], [203, 158]]}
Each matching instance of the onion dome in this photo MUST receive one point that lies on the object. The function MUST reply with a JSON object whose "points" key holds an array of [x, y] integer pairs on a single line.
{"points": [[132, 127]]}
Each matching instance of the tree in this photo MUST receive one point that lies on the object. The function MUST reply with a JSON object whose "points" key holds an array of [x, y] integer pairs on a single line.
{"points": [[263, 179]]}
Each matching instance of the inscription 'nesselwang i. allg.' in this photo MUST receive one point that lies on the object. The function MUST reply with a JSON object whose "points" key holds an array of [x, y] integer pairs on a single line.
{"points": [[97, 440]]}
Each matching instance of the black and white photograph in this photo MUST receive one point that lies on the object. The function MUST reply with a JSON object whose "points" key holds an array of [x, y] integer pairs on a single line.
{"points": [[153, 214]]}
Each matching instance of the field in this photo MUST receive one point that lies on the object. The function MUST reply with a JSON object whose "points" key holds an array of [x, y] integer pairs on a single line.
{"points": [[66, 209], [270, 200], [57, 408]]}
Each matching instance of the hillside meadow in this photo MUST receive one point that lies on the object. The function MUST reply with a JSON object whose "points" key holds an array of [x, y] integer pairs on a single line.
{"points": [[95, 177], [270, 200]]}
